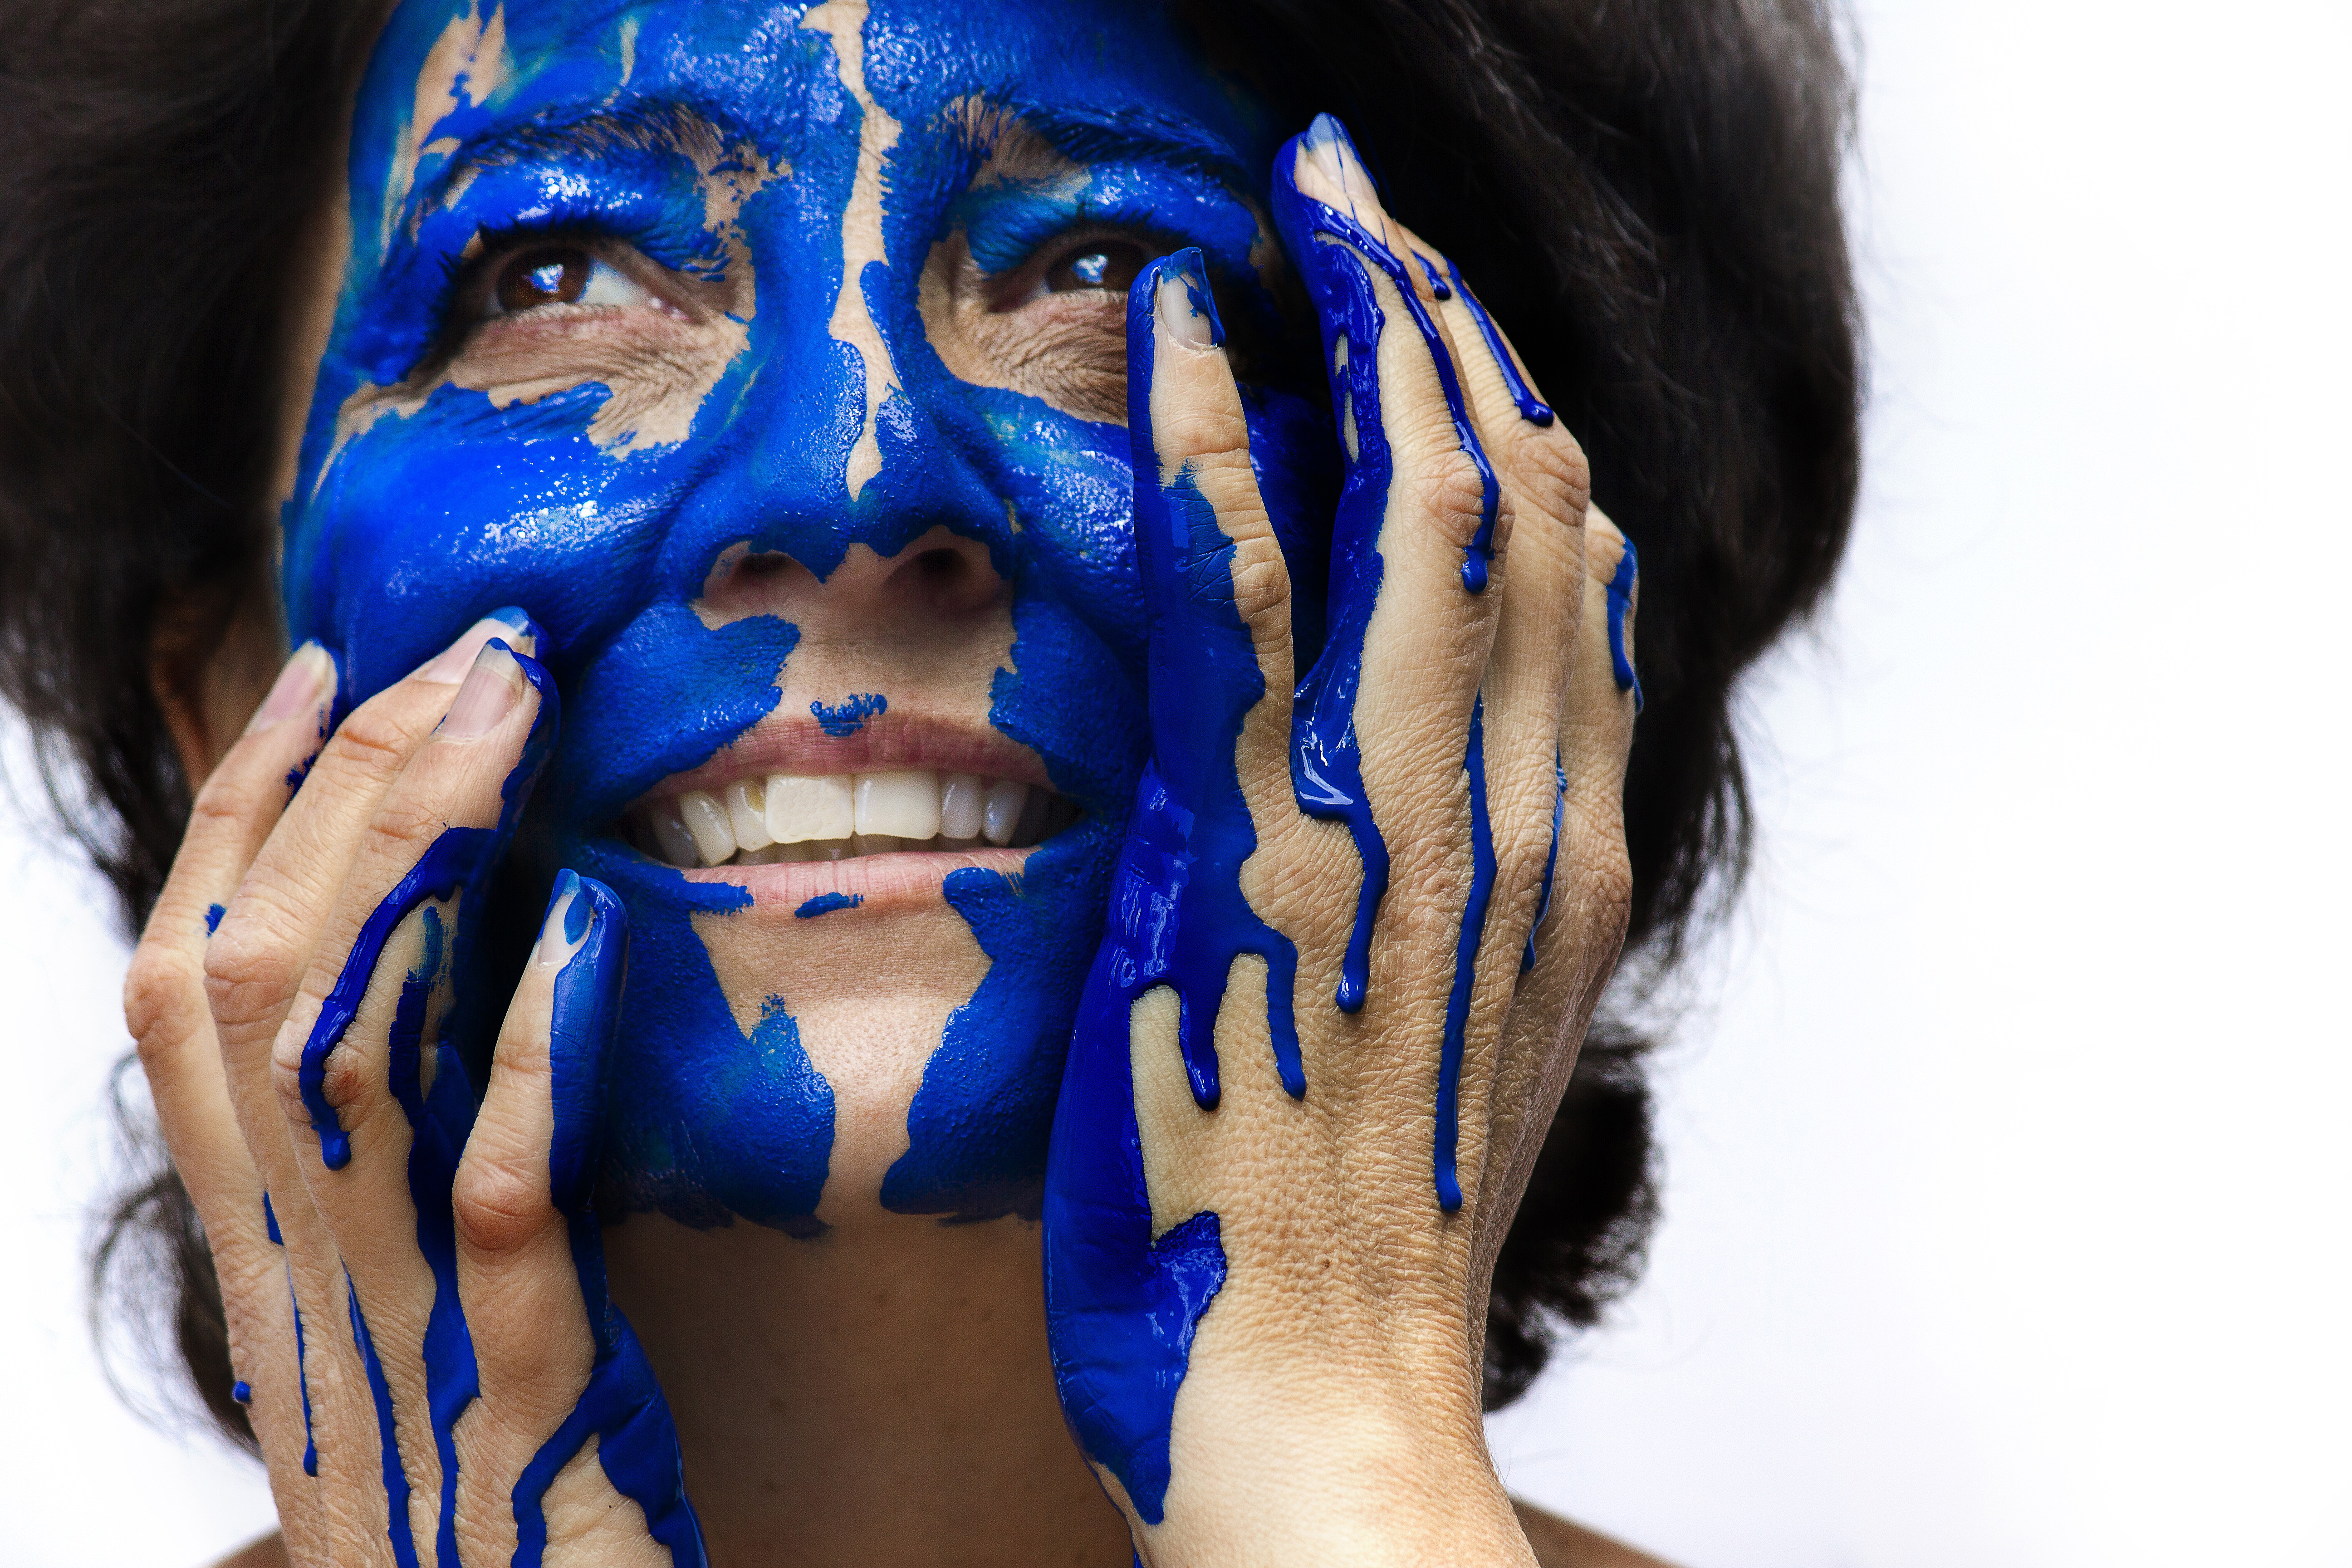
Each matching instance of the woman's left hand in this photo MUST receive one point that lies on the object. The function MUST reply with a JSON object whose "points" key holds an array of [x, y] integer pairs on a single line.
{"points": [[1320, 1046]]}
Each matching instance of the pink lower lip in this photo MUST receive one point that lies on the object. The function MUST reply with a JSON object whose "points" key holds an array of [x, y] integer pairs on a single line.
{"points": [[901, 880]]}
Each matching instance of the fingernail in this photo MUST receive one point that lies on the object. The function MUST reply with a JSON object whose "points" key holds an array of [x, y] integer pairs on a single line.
{"points": [[509, 626], [1333, 157], [297, 687], [569, 915], [492, 688], [1185, 303]]}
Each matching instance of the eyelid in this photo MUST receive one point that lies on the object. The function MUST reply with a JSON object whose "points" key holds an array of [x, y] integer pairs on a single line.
{"points": [[617, 267]]}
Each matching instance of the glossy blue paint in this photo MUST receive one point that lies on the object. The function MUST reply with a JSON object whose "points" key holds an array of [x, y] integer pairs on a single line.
{"points": [[241, 1391], [400, 1533], [622, 1408], [460, 860], [721, 141], [1620, 606], [849, 715], [1447, 1137], [1122, 1305], [826, 903], [302, 1378], [269, 1222], [213, 914], [1532, 409]]}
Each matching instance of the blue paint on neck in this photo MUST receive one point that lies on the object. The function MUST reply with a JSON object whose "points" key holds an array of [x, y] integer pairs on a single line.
{"points": [[849, 715]]}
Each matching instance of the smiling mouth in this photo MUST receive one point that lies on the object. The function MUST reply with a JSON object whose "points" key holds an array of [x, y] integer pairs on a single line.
{"points": [[778, 817]]}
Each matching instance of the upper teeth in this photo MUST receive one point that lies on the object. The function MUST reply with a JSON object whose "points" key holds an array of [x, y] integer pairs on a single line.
{"points": [[827, 816]]}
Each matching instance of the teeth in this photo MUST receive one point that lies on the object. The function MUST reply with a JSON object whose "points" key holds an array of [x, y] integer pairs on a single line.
{"points": [[747, 814], [904, 805], [714, 840], [961, 807], [801, 808], [793, 817], [1000, 813]]}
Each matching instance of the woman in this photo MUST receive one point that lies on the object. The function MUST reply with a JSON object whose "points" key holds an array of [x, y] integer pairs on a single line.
{"points": [[781, 948]]}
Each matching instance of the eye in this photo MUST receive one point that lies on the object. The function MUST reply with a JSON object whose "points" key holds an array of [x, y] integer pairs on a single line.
{"points": [[1109, 264], [560, 275]]}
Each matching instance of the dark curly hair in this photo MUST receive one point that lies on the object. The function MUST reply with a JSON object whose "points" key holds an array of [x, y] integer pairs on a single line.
{"points": [[1646, 196]]}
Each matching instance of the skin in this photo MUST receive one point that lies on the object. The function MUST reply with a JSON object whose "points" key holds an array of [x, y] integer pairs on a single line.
{"points": [[849, 1378]]}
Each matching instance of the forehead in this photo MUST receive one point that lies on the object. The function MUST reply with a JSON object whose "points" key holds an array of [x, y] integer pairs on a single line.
{"points": [[788, 79]]}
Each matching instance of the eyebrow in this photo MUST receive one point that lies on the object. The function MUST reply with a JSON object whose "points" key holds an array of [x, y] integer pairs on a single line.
{"points": [[645, 126], [1087, 133]]}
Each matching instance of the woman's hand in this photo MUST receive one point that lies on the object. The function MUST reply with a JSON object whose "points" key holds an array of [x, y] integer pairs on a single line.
{"points": [[1355, 937], [414, 1292]]}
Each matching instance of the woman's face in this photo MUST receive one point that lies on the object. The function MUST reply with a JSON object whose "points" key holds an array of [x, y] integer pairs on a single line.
{"points": [[771, 358]]}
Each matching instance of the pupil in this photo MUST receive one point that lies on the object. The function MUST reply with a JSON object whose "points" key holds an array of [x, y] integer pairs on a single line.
{"points": [[543, 277], [1090, 269]]}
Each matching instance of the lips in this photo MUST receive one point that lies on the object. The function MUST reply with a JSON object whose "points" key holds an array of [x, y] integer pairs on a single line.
{"points": [[763, 819]]}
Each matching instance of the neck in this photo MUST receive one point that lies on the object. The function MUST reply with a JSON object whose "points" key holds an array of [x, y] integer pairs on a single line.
{"points": [[879, 1395]]}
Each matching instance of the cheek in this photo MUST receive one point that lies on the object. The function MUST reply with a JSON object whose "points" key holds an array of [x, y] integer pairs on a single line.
{"points": [[428, 519]]}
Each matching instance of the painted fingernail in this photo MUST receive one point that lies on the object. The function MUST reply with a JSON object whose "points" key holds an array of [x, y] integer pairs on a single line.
{"points": [[1332, 159], [493, 688], [1185, 303], [297, 687], [509, 626], [569, 915]]}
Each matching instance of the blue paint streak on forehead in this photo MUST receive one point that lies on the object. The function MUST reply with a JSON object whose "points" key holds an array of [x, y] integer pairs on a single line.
{"points": [[601, 118]]}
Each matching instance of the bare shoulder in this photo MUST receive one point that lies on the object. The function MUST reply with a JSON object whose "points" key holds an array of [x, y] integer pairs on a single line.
{"points": [[269, 1551], [1560, 1544]]}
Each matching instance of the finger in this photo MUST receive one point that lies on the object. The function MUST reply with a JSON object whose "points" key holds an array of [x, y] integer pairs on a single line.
{"points": [[253, 966], [1420, 515], [257, 958], [164, 1006], [568, 1412], [372, 1087], [1218, 598]]}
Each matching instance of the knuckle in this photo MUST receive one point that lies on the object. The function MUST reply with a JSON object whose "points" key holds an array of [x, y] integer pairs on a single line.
{"points": [[249, 970], [498, 1206], [1260, 578], [162, 996], [1451, 491]]}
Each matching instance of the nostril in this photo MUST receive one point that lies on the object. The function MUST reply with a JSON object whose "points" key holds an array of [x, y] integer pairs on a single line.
{"points": [[946, 580], [746, 582]]}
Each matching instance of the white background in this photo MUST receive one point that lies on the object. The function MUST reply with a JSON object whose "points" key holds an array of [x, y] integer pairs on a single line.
{"points": [[2005, 1161]]}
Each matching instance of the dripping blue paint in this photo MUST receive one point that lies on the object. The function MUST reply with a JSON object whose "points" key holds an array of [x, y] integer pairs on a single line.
{"points": [[622, 1408], [826, 903], [1447, 1137], [418, 506], [849, 715], [1122, 1306], [1621, 607]]}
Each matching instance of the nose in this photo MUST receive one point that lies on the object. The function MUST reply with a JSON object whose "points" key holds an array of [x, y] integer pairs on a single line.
{"points": [[939, 583]]}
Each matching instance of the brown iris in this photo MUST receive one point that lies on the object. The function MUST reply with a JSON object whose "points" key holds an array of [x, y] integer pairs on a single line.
{"points": [[548, 275]]}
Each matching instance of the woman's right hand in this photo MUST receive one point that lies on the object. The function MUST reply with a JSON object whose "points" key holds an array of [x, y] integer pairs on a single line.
{"points": [[413, 1289]]}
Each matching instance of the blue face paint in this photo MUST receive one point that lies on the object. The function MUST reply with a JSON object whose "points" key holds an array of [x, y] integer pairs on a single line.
{"points": [[826, 903], [848, 717], [722, 144]]}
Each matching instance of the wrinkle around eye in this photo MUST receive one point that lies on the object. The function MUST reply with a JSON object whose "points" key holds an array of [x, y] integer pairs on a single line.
{"points": [[1067, 349]]}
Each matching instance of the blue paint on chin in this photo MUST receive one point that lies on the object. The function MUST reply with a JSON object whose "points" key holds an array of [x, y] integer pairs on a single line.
{"points": [[848, 716], [826, 903]]}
